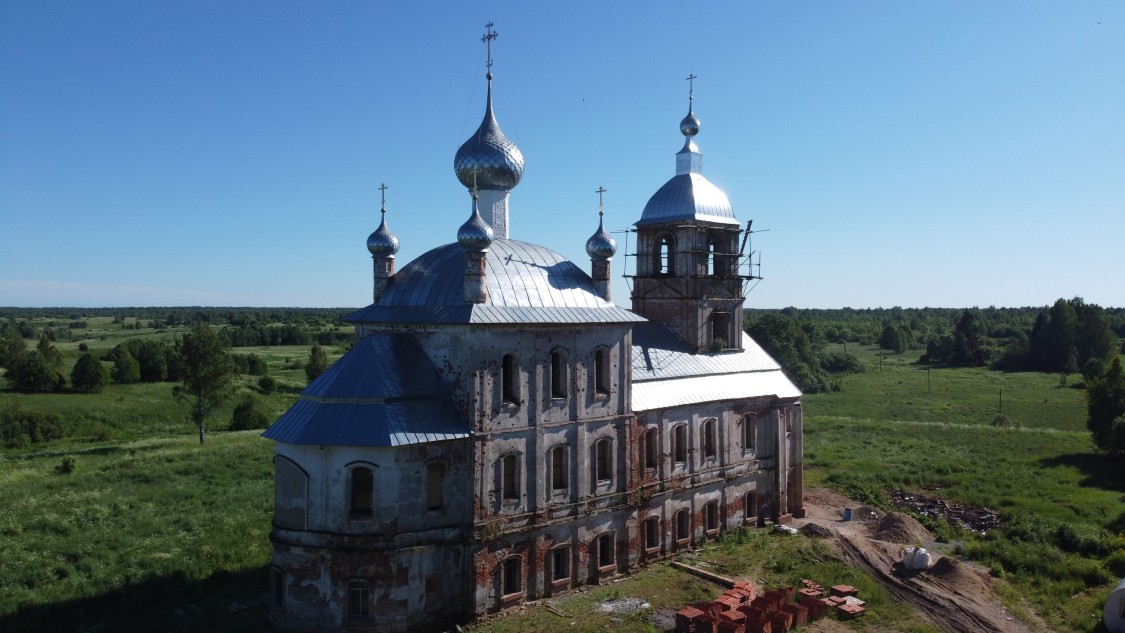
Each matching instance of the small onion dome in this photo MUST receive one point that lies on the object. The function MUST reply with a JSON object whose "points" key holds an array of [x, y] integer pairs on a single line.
{"points": [[689, 126], [382, 243], [489, 156], [600, 245], [475, 234]]}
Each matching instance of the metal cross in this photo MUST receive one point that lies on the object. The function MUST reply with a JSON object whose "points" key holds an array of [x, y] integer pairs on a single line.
{"points": [[383, 197], [489, 35], [600, 191], [691, 86], [474, 172]]}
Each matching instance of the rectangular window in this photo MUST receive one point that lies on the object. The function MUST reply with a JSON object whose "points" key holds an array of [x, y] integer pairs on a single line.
{"points": [[679, 443], [359, 600], [510, 477], [751, 504], [512, 580], [558, 375], [435, 480], [605, 550], [362, 492], [604, 458], [601, 371], [652, 533], [749, 424], [650, 448], [711, 515], [558, 468], [683, 525], [709, 438], [277, 579], [510, 379], [560, 563], [720, 330]]}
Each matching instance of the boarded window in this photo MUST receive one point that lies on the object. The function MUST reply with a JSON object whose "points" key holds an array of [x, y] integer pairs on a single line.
{"points": [[601, 370], [510, 477], [435, 482], [359, 599], [605, 550], [708, 432], [362, 491], [560, 563], [558, 374], [650, 448], [604, 457], [652, 532], [510, 379], [679, 443], [558, 468], [513, 582]]}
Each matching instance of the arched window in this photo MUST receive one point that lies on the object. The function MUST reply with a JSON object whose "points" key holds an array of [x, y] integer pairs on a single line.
{"points": [[509, 379], [652, 532], [510, 477], [361, 488], [711, 516], [601, 370], [650, 448], [606, 554], [683, 525], [359, 600], [435, 482], [603, 456], [559, 471], [708, 433], [512, 575], [679, 443], [665, 256], [558, 374], [291, 494]]}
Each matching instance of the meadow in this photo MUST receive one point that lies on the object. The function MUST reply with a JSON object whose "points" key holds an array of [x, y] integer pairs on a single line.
{"points": [[129, 524]]}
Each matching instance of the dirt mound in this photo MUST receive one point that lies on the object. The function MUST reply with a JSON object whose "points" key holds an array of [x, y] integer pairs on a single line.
{"points": [[951, 570], [867, 513], [899, 528], [812, 530]]}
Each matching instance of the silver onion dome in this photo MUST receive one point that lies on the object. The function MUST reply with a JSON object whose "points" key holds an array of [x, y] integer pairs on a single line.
{"points": [[495, 159], [601, 245], [382, 243], [689, 126], [475, 234]]}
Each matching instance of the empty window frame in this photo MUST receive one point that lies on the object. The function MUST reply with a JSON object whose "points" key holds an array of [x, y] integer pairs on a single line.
{"points": [[560, 563], [679, 443], [650, 448], [601, 370], [652, 532], [708, 433], [712, 257], [558, 374], [361, 486], [277, 583], [605, 550], [750, 506], [559, 470], [720, 330], [683, 525], [435, 482], [711, 516], [749, 430], [509, 379], [359, 599], [510, 477], [512, 577], [603, 459], [664, 256]]}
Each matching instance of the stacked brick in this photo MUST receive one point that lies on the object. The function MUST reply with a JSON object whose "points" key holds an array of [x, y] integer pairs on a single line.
{"points": [[740, 610]]}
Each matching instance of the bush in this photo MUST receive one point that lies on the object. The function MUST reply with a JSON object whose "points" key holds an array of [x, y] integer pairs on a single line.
{"points": [[68, 465], [249, 415], [267, 385], [842, 363], [20, 428]]}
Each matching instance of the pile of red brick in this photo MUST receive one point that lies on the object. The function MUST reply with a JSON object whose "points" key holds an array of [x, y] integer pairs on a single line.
{"points": [[739, 610]]}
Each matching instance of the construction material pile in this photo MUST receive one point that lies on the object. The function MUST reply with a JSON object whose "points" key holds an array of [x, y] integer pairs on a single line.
{"points": [[741, 610]]}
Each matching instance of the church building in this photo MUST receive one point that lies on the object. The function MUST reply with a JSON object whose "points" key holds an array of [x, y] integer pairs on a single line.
{"points": [[502, 431]]}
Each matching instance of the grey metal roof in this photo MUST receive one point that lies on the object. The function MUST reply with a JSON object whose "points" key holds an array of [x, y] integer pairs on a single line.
{"points": [[666, 373], [525, 283], [688, 197], [383, 392]]}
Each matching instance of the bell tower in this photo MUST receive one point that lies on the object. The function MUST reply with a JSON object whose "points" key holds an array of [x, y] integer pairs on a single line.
{"points": [[687, 254]]}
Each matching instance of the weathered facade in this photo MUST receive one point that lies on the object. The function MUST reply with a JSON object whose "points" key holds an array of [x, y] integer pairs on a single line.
{"points": [[502, 431]]}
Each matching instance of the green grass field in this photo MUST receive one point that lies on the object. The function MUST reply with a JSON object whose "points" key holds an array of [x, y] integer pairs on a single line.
{"points": [[151, 531]]}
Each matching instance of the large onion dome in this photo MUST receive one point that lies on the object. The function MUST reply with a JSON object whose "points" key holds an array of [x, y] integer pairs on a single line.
{"points": [[600, 245], [475, 234], [489, 154]]}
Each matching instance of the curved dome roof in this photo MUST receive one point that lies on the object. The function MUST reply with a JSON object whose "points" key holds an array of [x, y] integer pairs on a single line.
{"points": [[382, 243], [489, 154], [525, 283], [685, 198]]}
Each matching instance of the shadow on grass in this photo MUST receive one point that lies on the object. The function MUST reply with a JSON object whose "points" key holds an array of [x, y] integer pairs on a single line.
{"points": [[224, 602], [1099, 470]]}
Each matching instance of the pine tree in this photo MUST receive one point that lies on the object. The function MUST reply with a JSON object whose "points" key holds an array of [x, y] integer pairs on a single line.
{"points": [[89, 375], [1105, 405]]}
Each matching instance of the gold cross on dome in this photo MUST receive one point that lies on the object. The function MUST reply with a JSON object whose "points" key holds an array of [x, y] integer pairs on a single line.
{"points": [[600, 191]]}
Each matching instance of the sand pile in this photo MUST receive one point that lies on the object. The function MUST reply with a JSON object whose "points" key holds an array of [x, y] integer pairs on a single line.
{"points": [[899, 528], [867, 513], [951, 570], [812, 530]]}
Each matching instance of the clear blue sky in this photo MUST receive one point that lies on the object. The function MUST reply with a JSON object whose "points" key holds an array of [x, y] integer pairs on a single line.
{"points": [[229, 153]]}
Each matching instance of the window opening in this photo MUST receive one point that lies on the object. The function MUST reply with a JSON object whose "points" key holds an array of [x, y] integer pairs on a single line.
{"points": [[683, 525], [720, 330], [512, 581], [510, 477], [679, 443], [749, 424], [605, 550], [560, 563], [601, 370], [652, 533], [363, 491], [359, 599], [435, 480], [558, 468], [712, 258], [665, 257], [558, 374], [604, 457], [278, 579], [751, 504], [509, 379], [709, 438], [711, 515], [650, 448]]}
